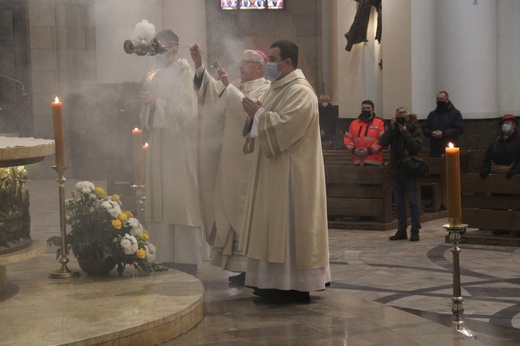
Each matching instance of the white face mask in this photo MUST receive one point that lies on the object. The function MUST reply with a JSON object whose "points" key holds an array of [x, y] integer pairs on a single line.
{"points": [[506, 128], [325, 104], [271, 70]]}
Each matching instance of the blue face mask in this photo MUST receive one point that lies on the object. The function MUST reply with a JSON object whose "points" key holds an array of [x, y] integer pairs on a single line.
{"points": [[506, 128], [271, 70]]}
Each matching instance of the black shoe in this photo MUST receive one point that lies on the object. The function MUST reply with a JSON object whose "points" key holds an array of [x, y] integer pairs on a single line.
{"points": [[238, 280], [284, 297], [415, 235], [265, 292], [399, 235]]}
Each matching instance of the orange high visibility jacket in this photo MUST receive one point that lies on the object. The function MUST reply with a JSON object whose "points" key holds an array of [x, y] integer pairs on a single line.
{"points": [[365, 135]]}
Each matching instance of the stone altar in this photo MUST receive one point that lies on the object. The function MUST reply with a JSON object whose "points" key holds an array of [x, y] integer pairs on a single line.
{"points": [[15, 238]]}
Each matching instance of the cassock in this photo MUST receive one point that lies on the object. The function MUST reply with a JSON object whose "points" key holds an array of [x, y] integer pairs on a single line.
{"points": [[223, 204], [285, 235], [172, 208]]}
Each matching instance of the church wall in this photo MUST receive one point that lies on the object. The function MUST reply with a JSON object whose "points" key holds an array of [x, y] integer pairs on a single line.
{"points": [[231, 32], [508, 56], [74, 54]]}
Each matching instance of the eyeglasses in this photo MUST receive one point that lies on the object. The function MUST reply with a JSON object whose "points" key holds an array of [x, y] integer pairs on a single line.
{"points": [[243, 63]]}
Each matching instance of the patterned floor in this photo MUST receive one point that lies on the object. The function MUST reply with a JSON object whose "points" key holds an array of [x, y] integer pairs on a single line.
{"points": [[383, 292]]}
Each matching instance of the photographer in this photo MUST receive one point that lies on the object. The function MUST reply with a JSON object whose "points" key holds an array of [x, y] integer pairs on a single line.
{"points": [[404, 137]]}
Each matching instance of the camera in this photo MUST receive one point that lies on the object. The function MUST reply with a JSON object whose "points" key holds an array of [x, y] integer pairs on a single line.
{"points": [[401, 121]]}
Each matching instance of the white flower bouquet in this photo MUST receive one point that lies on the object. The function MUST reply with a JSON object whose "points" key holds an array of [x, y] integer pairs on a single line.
{"points": [[101, 230]]}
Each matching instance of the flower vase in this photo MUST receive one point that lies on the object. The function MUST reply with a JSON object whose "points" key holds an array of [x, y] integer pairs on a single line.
{"points": [[96, 267]]}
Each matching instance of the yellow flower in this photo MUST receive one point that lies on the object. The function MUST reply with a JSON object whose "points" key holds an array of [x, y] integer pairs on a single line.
{"points": [[141, 253], [68, 217], [116, 198], [117, 224], [128, 213], [145, 235], [100, 192], [122, 217]]}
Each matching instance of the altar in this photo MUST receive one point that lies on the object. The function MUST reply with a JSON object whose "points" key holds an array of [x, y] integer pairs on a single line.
{"points": [[15, 221]]}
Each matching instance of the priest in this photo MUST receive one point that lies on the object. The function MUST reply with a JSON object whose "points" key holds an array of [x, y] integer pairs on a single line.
{"points": [[224, 168], [285, 235], [172, 200]]}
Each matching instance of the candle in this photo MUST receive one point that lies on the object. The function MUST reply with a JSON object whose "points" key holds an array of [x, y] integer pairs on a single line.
{"points": [[453, 186], [137, 142], [59, 137], [145, 153]]}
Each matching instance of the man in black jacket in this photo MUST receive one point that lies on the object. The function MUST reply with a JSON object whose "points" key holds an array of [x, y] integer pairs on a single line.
{"points": [[443, 125]]}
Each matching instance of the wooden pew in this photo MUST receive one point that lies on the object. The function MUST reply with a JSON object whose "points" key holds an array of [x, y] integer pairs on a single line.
{"points": [[491, 204], [361, 195], [434, 183]]}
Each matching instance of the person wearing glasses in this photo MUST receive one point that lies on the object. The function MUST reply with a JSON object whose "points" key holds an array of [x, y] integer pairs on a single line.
{"points": [[444, 125], [223, 168]]}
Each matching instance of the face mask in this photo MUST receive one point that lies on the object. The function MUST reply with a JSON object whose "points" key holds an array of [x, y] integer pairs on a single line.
{"points": [[441, 103], [324, 104], [506, 128], [271, 70], [366, 114]]}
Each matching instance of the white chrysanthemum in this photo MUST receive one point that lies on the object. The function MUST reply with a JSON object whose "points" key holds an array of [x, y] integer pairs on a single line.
{"points": [[150, 252], [135, 227], [129, 244], [111, 207], [83, 187]]}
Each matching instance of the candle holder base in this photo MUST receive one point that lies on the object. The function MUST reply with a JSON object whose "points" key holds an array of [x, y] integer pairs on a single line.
{"points": [[460, 327], [64, 273], [458, 324]]}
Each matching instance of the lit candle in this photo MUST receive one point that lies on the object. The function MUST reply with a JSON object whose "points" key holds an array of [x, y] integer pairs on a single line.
{"points": [[145, 153], [137, 141], [453, 186], [59, 137]]}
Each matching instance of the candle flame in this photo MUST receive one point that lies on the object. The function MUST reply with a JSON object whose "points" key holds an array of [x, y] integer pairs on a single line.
{"points": [[145, 146], [56, 100], [450, 145], [136, 129]]}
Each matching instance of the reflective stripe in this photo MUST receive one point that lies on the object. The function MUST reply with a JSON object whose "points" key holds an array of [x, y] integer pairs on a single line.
{"points": [[373, 162]]}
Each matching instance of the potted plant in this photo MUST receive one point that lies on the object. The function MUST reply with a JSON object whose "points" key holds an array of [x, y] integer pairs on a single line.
{"points": [[101, 231]]}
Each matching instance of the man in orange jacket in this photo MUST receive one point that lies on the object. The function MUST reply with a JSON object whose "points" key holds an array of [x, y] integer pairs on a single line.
{"points": [[362, 137]]}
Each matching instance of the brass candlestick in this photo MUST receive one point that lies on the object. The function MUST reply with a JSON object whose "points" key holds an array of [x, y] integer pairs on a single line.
{"points": [[457, 308], [139, 201], [64, 272]]}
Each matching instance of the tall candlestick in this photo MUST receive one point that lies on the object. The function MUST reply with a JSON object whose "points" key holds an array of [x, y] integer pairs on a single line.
{"points": [[59, 137], [137, 141], [453, 186]]}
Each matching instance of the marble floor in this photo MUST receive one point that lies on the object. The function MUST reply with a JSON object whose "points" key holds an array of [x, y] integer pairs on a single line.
{"points": [[382, 293]]}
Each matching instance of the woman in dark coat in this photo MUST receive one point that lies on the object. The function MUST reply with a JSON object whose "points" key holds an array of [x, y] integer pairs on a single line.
{"points": [[503, 155]]}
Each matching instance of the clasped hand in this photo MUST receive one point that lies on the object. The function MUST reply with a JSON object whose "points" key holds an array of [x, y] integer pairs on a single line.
{"points": [[250, 106]]}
